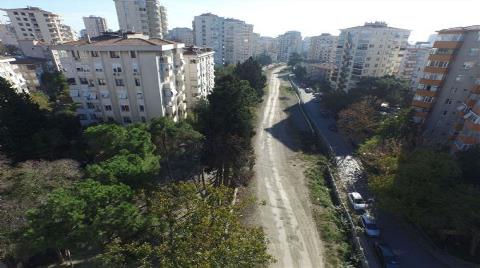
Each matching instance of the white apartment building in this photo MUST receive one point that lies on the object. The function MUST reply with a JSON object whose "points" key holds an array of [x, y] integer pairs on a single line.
{"points": [[95, 26], [288, 43], [306, 44], [267, 45], [182, 35], [7, 35], [125, 79], [413, 63], [142, 16], [11, 73], [199, 74], [34, 23], [232, 40], [370, 50], [322, 48]]}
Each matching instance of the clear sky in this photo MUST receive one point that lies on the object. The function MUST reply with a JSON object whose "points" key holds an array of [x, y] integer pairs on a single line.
{"points": [[274, 17]]}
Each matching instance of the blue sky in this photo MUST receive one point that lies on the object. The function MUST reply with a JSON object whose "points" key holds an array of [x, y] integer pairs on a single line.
{"points": [[273, 17]]}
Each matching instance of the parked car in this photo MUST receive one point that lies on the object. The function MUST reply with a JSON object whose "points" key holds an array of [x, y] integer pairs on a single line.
{"points": [[369, 225], [357, 201], [386, 256], [308, 90]]}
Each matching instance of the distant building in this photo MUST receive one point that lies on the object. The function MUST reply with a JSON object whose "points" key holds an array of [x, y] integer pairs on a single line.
{"points": [[306, 45], [7, 35], [31, 70], [267, 45], [287, 44], [322, 48], [373, 49], [34, 23], [41, 50], [413, 62], [11, 73], [199, 74], [125, 79], [319, 71], [182, 35], [447, 100], [232, 40], [95, 26], [142, 16]]}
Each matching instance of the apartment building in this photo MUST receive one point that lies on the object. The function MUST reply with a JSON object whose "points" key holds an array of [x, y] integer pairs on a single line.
{"points": [[232, 40], [447, 98], [11, 73], [199, 74], [125, 78], [288, 43], [34, 23], [41, 50], [7, 35], [182, 35], [413, 62], [306, 45], [322, 48], [143, 16], [267, 45], [373, 49], [95, 26], [31, 70]]}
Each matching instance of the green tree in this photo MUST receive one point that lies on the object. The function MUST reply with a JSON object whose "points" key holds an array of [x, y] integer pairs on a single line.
{"points": [[54, 84], [251, 71], [359, 120], [393, 90], [264, 59], [469, 162], [294, 59], [300, 72], [87, 215], [192, 230]]}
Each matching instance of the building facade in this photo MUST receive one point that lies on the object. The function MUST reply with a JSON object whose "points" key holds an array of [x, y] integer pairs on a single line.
{"points": [[7, 35], [199, 74], [95, 26], [208, 31], [447, 98], [267, 45], [182, 35], [370, 50], [11, 73], [31, 70], [43, 51], [34, 23], [413, 62], [322, 48], [288, 43], [142, 16], [125, 79]]}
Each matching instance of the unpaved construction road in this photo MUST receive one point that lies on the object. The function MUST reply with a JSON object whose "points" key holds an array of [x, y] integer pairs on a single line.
{"points": [[280, 184]]}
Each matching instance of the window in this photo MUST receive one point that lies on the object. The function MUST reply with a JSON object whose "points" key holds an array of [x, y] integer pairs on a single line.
{"points": [[108, 107], [94, 54], [83, 81], [117, 69], [473, 51], [141, 108], [90, 105], [21, 24], [119, 82], [101, 82], [140, 95], [114, 54], [127, 120], [133, 54], [125, 108], [71, 81], [427, 99], [105, 94], [137, 82], [447, 101]]}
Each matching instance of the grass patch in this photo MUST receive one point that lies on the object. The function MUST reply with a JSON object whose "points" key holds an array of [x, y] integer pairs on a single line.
{"points": [[330, 221]]}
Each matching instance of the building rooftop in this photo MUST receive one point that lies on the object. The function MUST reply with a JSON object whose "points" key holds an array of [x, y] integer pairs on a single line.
{"points": [[377, 24], [460, 29], [28, 8], [128, 39], [193, 50], [29, 60]]}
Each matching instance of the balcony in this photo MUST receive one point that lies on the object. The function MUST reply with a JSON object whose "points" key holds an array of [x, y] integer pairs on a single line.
{"points": [[440, 57], [421, 104], [447, 44], [437, 70], [431, 82], [426, 93], [471, 126]]}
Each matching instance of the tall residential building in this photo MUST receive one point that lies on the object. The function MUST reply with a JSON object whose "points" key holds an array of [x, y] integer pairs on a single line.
{"points": [[447, 98], [142, 16], [7, 35], [238, 41], [11, 73], [34, 23], [182, 35], [306, 45], [413, 62], [95, 26], [125, 79], [370, 50], [231, 39], [322, 48], [288, 43], [199, 74], [267, 45]]}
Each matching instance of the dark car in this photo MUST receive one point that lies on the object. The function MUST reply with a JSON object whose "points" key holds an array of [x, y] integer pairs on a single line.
{"points": [[386, 256]]}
